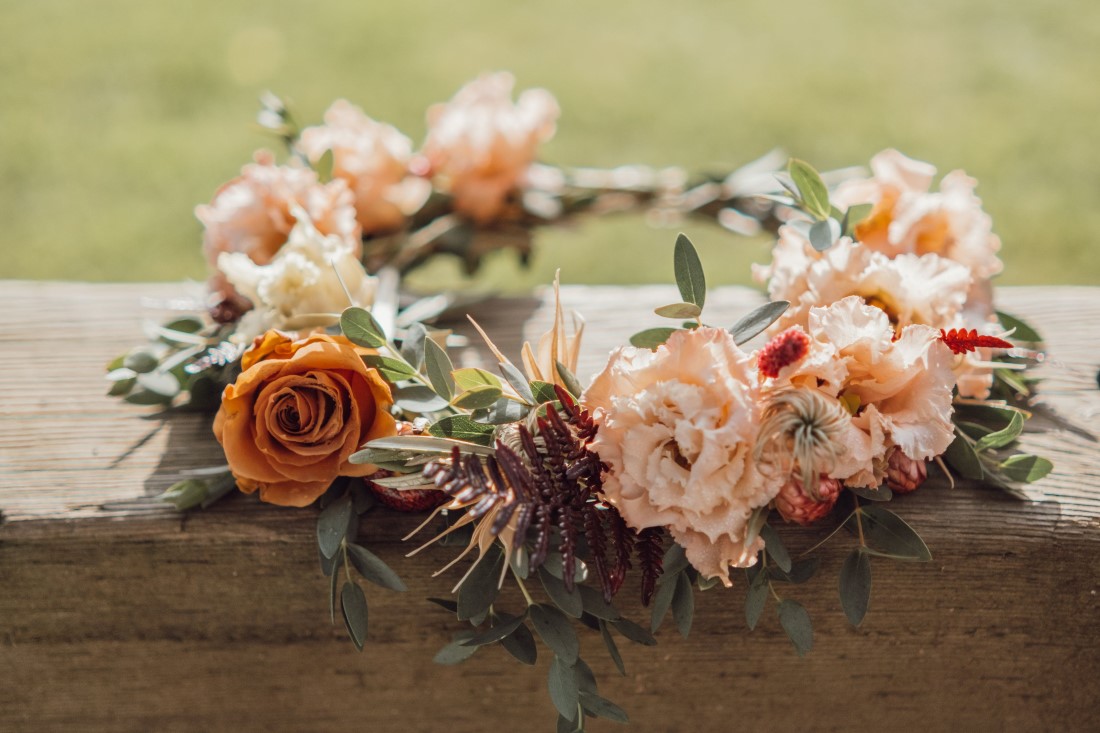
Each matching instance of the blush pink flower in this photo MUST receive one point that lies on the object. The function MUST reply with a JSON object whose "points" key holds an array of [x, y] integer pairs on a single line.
{"points": [[373, 158], [678, 427], [252, 214], [481, 143]]}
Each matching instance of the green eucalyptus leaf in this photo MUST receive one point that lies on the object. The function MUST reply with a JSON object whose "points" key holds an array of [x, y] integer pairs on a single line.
{"points": [[359, 326], [634, 632], [438, 366], [140, 361], [504, 625], [813, 192], [501, 412], [758, 320], [479, 398], [776, 549], [796, 623], [518, 381], [323, 166], [855, 586], [570, 603], [1026, 468], [456, 651], [481, 586], [1023, 331], [164, 384], [960, 456], [555, 565], [855, 215], [824, 233], [612, 648], [689, 272], [563, 687], [555, 630], [333, 580], [678, 311], [419, 399], [371, 567], [353, 603], [569, 381], [662, 600], [521, 645], [801, 571], [461, 427], [602, 707], [651, 338], [683, 604], [888, 533], [543, 391], [674, 561], [412, 348], [472, 378], [595, 604], [1002, 437], [756, 599], [394, 370], [430, 443], [332, 525]]}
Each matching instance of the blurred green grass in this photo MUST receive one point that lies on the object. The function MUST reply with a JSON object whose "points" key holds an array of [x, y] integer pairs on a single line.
{"points": [[116, 118]]}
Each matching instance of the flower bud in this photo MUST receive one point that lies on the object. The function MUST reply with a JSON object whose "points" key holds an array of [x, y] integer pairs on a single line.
{"points": [[795, 505], [903, 474]]}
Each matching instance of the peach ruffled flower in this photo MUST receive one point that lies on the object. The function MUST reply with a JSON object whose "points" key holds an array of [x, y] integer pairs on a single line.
{"points": [[253, 213], [306, 285], [898, 385], [927, 289], [297, 412], [373, 159], [481, 143], [909, 218], [678, 426]]}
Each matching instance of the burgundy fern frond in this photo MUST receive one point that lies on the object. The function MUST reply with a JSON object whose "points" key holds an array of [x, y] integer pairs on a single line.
{"points": [[651, 554], [961, 341]]}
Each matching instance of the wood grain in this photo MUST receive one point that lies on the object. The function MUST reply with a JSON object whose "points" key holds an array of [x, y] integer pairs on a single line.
{"points": [[118, 614]]}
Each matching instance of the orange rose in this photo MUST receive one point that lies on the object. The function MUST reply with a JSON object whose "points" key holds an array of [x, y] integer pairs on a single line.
{"points": [[296, 414]]}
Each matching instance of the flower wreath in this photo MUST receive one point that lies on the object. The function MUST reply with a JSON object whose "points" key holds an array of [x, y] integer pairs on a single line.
{"points": [[883, 356]]}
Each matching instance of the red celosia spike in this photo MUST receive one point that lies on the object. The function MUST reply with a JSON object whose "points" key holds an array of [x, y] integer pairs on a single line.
{"points": [[783, 350], [961, 341]]}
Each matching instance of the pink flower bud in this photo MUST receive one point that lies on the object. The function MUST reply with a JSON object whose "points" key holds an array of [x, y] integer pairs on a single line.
{"points": [[903, 474], [795, 505]]}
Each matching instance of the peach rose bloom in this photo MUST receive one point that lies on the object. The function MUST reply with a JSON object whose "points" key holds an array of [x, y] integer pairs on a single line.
{"points": [[908, 217], [296, 414], [678, 426], [481, 143], [253, 213], [902, 386], [373, 159]]}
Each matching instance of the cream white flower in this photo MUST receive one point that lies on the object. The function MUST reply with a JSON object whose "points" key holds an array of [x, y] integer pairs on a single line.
{"points": [[373, 159], [678, 427], [900, 387], [481, 143], [302, 287]]}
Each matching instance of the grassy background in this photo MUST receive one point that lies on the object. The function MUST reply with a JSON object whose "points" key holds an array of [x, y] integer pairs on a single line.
{"points": [[116, 118]]}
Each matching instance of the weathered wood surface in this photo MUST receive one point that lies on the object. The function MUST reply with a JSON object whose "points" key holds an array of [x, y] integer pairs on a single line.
{"points": [[117, 614]]}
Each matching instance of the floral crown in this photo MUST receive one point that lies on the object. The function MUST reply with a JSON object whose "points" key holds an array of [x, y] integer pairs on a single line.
{"points": [[881, 359]]}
